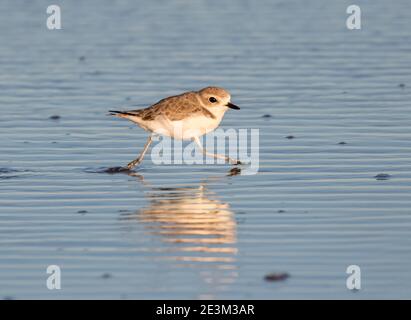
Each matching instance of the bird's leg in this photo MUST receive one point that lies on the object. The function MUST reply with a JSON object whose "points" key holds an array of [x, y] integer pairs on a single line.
{"points": [[215, 156], [137, 161]]}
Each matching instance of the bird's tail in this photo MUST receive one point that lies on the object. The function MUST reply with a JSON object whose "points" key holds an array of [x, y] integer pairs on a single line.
{"points": [[130, 115], [133, 116], [120, 113]]}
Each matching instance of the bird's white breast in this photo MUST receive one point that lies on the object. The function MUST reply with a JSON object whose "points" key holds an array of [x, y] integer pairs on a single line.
{"points": [[194, 126]]}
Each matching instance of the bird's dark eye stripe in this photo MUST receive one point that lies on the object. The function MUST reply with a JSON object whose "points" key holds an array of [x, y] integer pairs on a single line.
{"points": [[212, 100]]}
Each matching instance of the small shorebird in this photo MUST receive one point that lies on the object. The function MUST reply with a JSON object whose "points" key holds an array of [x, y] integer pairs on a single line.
{"points": [[187, 116]]}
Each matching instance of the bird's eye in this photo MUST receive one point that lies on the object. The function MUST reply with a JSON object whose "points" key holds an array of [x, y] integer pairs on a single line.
{"points": [[212, 100]]}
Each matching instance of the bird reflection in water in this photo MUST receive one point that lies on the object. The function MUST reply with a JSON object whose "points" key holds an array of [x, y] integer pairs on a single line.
{"points": [[198, 227]]}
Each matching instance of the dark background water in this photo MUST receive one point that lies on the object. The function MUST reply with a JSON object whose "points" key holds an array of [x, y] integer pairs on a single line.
{"points": [[315, 206]]}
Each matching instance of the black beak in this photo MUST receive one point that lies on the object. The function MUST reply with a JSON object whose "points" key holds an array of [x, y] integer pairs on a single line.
{"points": [[232, 106]]}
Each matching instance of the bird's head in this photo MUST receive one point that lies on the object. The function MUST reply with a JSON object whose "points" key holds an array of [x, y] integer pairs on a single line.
{"points": [[214, 97]]}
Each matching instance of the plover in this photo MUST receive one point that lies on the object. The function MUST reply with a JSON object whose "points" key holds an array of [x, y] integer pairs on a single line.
{"points": [[187, 116]]}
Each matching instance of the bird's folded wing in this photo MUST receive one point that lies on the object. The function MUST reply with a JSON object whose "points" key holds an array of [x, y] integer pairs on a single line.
{"points": [[174, 108]]}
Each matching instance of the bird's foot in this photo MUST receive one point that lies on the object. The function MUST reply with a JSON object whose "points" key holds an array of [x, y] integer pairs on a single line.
{"points": [[133, 163]]}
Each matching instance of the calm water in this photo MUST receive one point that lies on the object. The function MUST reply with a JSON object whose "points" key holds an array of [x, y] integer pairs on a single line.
{"points": [[315, 206]]}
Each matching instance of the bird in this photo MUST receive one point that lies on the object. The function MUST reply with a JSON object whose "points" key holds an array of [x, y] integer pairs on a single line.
{"points": [[186, 116]]}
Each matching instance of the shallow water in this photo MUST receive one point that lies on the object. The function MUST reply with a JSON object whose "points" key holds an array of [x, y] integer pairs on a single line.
{"points": [[193, 231]]}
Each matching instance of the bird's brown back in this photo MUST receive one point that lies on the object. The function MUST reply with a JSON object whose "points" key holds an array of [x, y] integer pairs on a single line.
{"points": [[175, 108]]}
